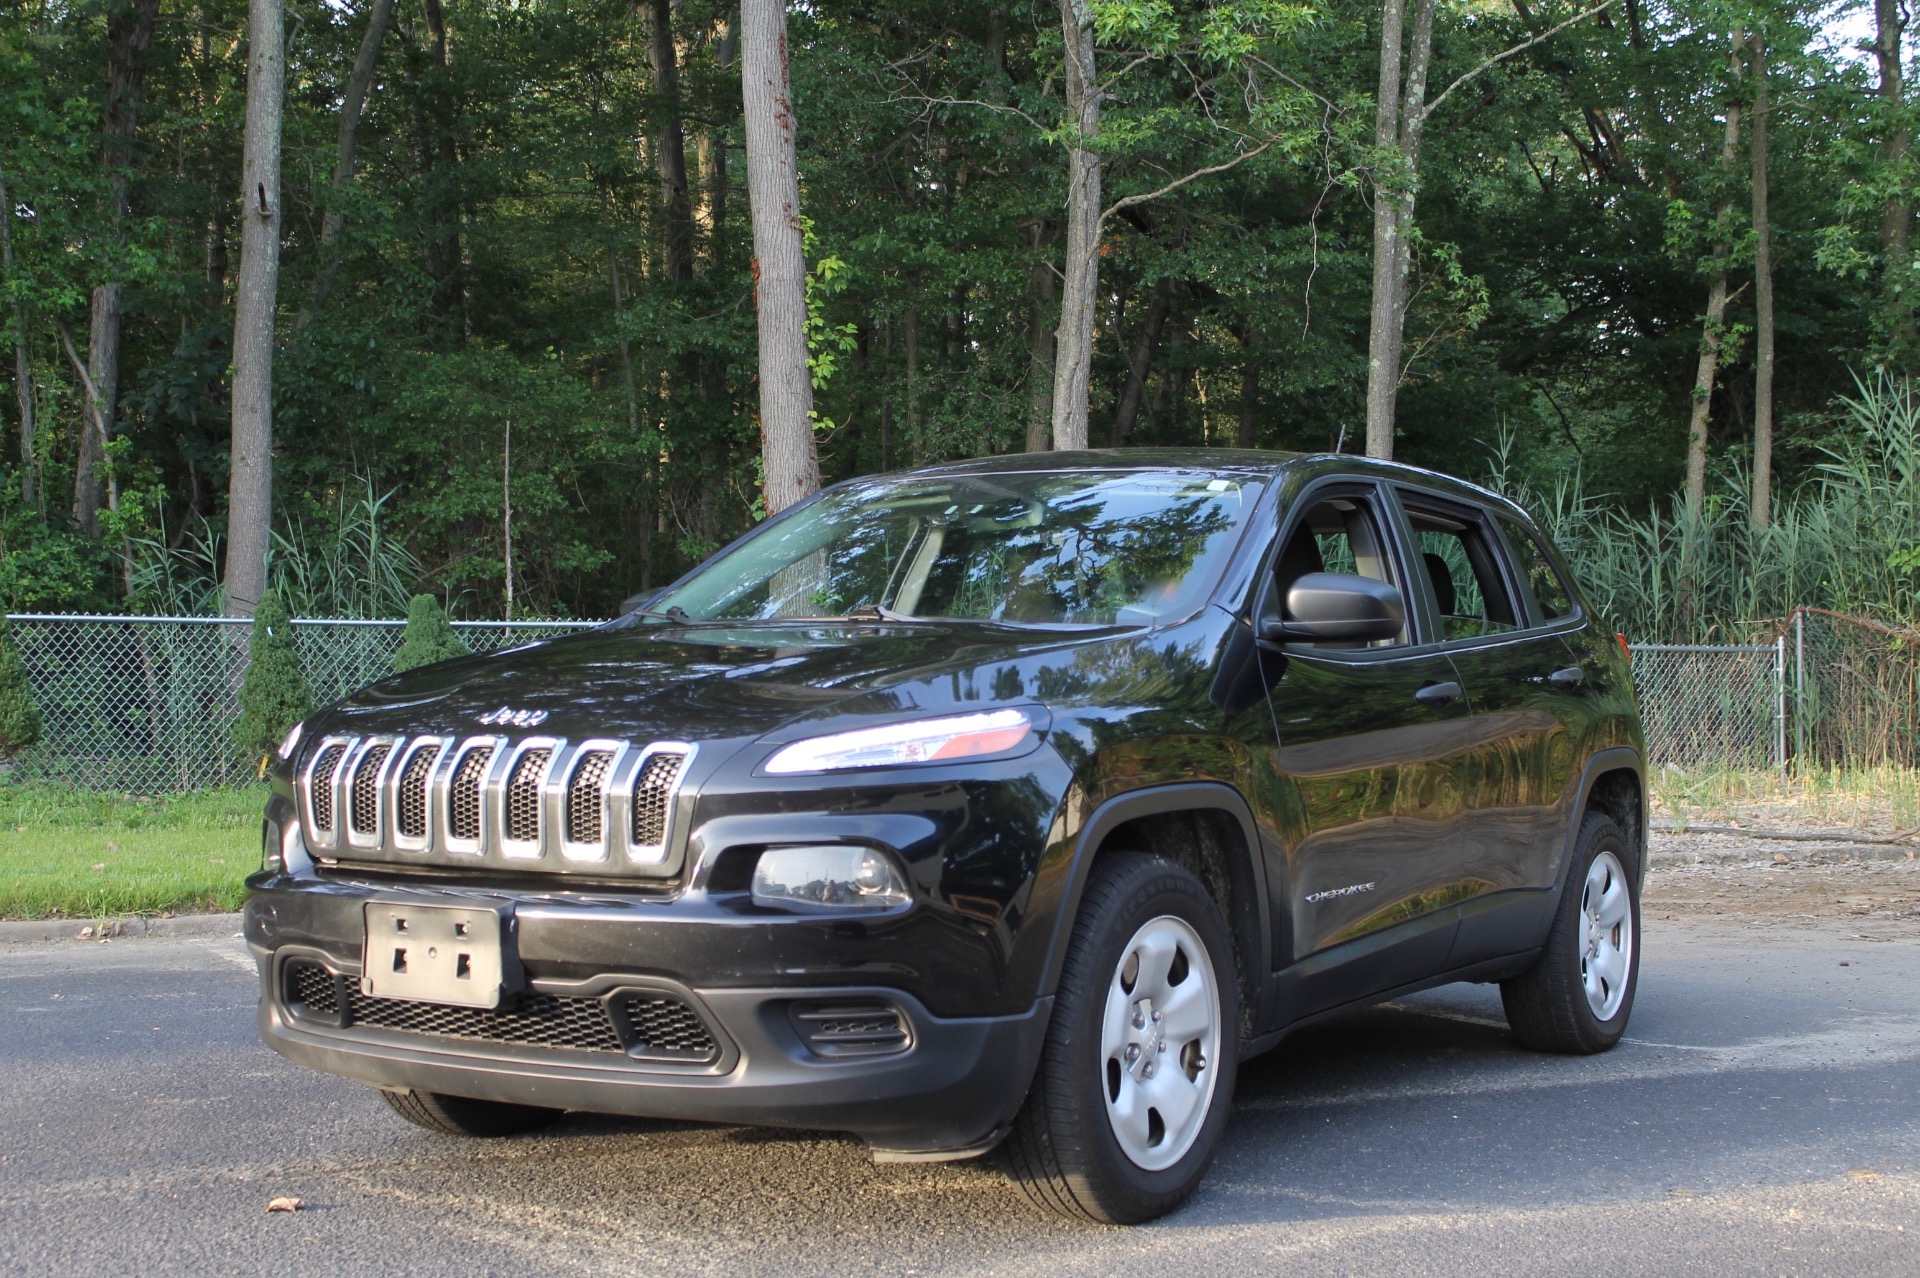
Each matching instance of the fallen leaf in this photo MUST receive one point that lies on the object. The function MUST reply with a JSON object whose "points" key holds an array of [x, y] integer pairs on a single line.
{"points": [[99, 866], [113, 847], [1779, 858], [283, 1204]]}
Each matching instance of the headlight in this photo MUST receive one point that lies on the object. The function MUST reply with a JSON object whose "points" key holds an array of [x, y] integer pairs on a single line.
{"points": [[291, 741], [840, 877], [962, 736]]}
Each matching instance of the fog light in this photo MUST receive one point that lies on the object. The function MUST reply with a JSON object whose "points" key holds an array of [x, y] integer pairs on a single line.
{"points": [[834, 877]]}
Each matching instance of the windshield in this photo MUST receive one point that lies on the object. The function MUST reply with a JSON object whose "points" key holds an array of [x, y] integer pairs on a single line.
{"points": [[1046, 548]]}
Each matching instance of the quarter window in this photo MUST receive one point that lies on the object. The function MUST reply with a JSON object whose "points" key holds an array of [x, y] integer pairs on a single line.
{"points": [[1459, 560], [1549, 590]]}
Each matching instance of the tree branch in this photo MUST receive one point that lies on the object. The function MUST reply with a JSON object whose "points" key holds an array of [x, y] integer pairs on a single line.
{"points": [[1504, 54], [1149, 196]]}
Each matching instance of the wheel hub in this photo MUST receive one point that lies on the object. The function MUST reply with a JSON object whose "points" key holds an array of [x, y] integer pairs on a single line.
{"points": [[1160, 1034]]}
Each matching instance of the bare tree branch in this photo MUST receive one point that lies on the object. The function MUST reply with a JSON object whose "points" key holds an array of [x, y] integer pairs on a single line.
{"points": [[1504, 54], [1149, 196]]}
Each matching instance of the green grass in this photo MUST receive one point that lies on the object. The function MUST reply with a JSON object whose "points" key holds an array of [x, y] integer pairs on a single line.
{"points": [[78, 854], [1883, 798]]}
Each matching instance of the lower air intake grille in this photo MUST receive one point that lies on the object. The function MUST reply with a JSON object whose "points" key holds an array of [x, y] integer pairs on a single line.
{"points": [[666, 1029], [857, 1027], [412, 817], [656, 1026], [583, 797], [651, 795], [365, 816], [322, 797], [311, 986], [523, 795], [463, 800]]}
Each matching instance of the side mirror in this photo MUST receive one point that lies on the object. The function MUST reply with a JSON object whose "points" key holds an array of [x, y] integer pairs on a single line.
{"points": [[1334, 607]]}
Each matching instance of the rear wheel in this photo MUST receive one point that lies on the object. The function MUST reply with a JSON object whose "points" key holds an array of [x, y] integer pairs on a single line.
{"points": [[465, 1116], [1136, 1078], [1577, 997]]}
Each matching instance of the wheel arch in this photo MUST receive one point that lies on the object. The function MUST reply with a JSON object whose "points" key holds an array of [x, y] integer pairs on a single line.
{"points": [[1613, 782], [1208, 829]]}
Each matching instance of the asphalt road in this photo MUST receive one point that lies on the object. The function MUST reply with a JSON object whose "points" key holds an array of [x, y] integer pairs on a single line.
{"points": [[1763, 1116]]}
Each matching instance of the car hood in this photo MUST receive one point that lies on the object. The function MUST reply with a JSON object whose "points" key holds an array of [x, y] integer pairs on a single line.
{"points": [[640, 680]]}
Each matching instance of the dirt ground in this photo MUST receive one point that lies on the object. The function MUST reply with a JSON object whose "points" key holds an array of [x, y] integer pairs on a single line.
{"points": [[1695, 875]]}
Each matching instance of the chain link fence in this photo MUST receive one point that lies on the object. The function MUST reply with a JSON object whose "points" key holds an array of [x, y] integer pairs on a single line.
{"points": [[1718, 705], [145, 705]]}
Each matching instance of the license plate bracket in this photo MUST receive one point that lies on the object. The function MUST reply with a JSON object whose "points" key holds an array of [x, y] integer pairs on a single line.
{"points": [[454, 954]]}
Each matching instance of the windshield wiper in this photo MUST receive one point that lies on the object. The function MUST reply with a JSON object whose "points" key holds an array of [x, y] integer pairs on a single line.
{"points": [[674, 613]]}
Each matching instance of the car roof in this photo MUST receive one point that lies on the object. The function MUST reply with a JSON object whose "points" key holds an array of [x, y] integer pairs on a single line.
{"points": [[1219, 461]]}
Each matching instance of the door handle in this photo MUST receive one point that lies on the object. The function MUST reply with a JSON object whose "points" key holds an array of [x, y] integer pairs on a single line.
{"points": [[1437, 694], [1567, 677]]}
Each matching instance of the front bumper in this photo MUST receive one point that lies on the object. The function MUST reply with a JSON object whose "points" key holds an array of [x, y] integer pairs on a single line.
{"points": [[948, 1090]]}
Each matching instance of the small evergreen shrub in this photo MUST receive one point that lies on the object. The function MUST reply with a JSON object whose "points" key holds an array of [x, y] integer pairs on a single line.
{"points": [[429, 636], [275, 695], [19, 716]]}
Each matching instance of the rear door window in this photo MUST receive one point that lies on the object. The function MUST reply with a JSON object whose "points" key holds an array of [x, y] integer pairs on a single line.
{"points": [[1536, 569], [1464, 570]]}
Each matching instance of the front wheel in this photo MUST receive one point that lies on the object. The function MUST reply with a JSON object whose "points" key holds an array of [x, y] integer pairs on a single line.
{"points": [[1136, 1079], [464, 1116], [1577, 997]]}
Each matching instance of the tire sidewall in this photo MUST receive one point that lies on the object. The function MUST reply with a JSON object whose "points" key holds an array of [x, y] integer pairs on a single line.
{"points": [[1160, 888]]}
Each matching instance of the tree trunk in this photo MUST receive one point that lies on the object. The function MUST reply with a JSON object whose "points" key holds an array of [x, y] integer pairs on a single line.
{"points": [[773, 191], [714, 152], [129, 36], [1140, 360], [22, 365], [1040, 291], [250, 491], [1761, 512], [1413, 117], [1249, 389], [352, 106], [910, 331], [1073, 340], [446, 259], [1713, 332], [1383, 365], [670, 144], [1896, 215]]}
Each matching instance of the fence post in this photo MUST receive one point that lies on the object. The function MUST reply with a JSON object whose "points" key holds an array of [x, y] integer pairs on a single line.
{"points": [[1780, 701], [1799, 689]]}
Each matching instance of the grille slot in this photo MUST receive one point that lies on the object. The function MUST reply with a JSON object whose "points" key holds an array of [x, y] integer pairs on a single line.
{"points": [[411, 819], [321, 800], [584, 823], [857, 1027], [463, 798], [363, 816], [523, 795], [652, 795], [666, 1029]]}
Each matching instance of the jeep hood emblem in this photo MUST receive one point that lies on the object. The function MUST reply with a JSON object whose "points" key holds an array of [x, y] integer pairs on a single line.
{"points": [[517, 718]]}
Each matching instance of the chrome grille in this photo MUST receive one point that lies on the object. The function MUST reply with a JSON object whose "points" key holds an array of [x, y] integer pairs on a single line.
{"points": [[363, 816], [583, 797], [322, 795], [412, 817], [523, 795], [463, 800], [547, 802], [652, 796]]}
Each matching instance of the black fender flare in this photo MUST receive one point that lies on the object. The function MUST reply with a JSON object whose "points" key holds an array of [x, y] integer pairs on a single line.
{"points": [[1612, 759], [1159, 800]]}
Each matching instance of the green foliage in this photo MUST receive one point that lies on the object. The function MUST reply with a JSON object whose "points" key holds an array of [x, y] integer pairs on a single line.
{"points": [[19, 716], [429, 636], [274, 695]]}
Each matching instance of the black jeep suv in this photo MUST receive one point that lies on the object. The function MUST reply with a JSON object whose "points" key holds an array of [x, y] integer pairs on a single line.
{"points": [[1009, 803]]}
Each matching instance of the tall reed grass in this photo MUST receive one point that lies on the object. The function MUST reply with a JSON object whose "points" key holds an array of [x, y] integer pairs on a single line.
{"points": [[1848, 541]]}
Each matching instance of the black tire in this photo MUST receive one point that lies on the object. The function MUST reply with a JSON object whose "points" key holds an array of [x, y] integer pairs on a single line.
{"points": [[464, 1116], [1547, 1005], [1063, 1151]]}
